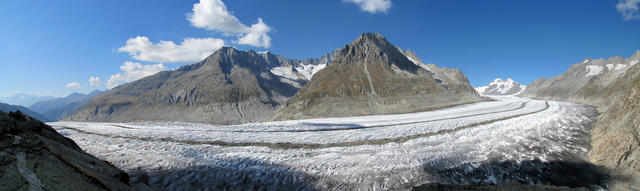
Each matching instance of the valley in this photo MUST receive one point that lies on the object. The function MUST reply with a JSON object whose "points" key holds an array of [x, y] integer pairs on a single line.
{"points": [[449, 146]]}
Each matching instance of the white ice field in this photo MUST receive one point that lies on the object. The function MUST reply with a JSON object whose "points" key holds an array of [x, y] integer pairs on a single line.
{"points": [[379, 152]]}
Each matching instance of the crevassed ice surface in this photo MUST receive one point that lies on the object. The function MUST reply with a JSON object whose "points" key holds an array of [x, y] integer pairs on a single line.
{"points": [[378, 152]]}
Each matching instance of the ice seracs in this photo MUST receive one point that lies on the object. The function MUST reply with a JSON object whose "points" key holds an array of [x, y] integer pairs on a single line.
{"points": [[502, 87]]}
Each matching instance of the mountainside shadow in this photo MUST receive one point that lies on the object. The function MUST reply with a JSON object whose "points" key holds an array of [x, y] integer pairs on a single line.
{"points": [[236, 174], [530, 174]]}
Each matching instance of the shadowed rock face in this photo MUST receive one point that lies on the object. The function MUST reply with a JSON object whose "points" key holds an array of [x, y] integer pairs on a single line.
{"points": [[371, 76], [228, 87], [33, 156], [616, 93]]}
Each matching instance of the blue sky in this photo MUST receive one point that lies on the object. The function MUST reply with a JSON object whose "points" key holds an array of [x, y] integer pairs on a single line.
{"points": [[46, 46]]}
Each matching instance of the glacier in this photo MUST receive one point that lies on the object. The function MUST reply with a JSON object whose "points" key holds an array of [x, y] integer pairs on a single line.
{"points": [[378, 152]]}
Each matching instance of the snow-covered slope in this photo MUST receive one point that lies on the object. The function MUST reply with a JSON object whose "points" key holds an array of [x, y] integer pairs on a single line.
{"points": [[380, 152], [502, 87]]}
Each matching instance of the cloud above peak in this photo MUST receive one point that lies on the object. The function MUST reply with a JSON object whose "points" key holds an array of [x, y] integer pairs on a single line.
{"points": [[629, 9], [73, 85], [94, 81], [190, 50], [372, 6], [213, 15], [133, 71]]}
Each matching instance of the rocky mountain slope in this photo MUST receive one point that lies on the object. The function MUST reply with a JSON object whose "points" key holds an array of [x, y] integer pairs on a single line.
{"points": [[228, 87], [613, 85], [502, 87], [11, 108], [59, 108], [33, 156], [371, 76]]}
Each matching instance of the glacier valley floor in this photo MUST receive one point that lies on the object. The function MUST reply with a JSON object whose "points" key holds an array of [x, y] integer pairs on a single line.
{"points": [[510, 139]]}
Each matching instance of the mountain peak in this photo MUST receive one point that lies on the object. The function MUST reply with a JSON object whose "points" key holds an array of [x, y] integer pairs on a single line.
{"points": [[502, 87], [371, 38]]}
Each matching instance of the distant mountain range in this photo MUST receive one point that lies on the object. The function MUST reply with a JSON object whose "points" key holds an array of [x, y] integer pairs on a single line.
{"points": [[502, 87], [12, 108], [613, 85], [372, 76], [59, 108], [23, 99], [231, 87]]}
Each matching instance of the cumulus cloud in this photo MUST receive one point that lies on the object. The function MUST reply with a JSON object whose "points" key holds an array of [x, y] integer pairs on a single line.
{"points": [[213, 15], [257, 35], [132, 71], [372, 6], [94, 81], [628, 9], [73, 85], [190, 50]]}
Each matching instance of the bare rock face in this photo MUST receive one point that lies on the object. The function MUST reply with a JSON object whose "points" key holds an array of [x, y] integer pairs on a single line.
{"points": [[33, 156], [371, 76], [613, 85], [228, 87]]}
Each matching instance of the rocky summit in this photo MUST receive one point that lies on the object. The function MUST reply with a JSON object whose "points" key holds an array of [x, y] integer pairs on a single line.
{"points": [[33, 156], [228, 87], [372, 76]]}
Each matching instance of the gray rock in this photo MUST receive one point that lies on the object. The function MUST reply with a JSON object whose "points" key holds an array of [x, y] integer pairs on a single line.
{"points": [[33, 156], [371, 76]]}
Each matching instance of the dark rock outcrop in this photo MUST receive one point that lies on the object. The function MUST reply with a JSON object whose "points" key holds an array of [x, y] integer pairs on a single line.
{"points": [[33, 156]]}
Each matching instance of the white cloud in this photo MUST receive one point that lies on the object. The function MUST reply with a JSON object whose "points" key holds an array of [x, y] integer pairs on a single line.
{"points": [[94, 81], [214, 15], [133, 71], [73, 85], [628, 9], [257, 35], [190, 50], [372, 6]]}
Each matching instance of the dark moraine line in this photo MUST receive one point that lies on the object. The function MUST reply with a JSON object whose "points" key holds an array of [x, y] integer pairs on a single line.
{"points": [[354, 127], [387, 125], [310, 146]]}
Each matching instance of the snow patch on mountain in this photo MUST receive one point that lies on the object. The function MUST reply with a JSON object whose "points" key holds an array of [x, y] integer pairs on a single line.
{"points": [[502, 87], [593, 70]]}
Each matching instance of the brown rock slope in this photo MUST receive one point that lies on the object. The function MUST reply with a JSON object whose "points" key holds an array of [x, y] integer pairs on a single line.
{"points": [[33, 156], [371, 76], [228, 87], [616, 92]]}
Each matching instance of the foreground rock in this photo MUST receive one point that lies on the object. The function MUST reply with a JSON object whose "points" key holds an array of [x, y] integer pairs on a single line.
{"points": [[371, 76], [613, 85], [228, 87], [33, 156]]}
